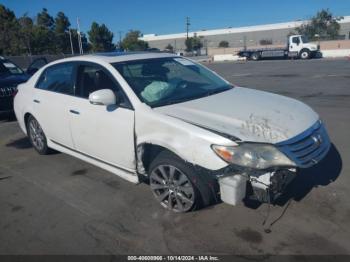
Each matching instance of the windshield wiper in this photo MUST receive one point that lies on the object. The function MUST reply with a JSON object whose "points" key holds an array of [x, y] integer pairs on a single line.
{"points": [[216, 91], [185, 99]]}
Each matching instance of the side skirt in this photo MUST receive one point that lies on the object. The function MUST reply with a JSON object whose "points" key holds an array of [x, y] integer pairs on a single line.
{"points": [[129, 175]]}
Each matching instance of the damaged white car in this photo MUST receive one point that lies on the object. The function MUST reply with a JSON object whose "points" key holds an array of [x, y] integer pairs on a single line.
{"points": [[169, 121]]}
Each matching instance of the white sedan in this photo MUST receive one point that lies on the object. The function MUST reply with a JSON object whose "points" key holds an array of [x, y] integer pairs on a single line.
{"points": [[166, 120]]}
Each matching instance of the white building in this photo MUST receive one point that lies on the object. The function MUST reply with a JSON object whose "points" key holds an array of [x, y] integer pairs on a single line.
{"points": [[238, 36]]}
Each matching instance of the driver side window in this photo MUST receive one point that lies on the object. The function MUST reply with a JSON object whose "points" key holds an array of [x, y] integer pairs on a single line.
{"points": [[296, 40], [91, 78]]}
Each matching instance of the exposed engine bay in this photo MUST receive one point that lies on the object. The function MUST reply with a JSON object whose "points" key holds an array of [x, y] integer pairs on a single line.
{"points": [[267, 187]]}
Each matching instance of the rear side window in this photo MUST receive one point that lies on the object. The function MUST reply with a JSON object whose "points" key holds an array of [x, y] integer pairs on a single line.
{"points": [[58, 78]]}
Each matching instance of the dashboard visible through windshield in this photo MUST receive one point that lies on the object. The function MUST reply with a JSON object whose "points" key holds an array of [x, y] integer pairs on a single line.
{"points": [[164, 81]]}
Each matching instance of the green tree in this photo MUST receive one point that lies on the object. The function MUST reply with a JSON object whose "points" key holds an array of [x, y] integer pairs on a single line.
{"points": [[62, 25], [193, 44], [224, 44], [324, 24], [131, 41], [169, 47], [100, 38], [44, 40], [10, 43], [44, 19], [26, 32]]}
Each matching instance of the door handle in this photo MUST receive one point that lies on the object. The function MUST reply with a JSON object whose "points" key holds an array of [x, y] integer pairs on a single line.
{"points": [[74, 112], [36, 101]]}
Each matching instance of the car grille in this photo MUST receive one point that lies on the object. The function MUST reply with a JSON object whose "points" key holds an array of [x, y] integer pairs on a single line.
{"points": [[309, 147], [7, 91]]}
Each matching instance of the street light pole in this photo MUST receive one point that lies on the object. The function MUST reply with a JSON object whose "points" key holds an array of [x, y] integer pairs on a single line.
{"points": [[187, 26], [120, 39]]}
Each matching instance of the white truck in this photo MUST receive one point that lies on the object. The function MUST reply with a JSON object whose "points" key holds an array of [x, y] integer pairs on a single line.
{"points": [[298, 46]]}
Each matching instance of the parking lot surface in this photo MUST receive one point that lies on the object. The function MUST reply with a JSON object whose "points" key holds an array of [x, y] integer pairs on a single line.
{"points": [[57, 204]]}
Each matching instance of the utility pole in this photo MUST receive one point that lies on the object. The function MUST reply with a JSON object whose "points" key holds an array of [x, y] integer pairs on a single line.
{"points": [[120, 39], [79, 38], [187, 26]]}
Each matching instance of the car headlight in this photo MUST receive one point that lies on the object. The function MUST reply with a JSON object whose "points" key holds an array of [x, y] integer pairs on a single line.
{"points": [[260, 156]]}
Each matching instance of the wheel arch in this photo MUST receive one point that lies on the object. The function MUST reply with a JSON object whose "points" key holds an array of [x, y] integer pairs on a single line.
{"points": [[146, 152]]}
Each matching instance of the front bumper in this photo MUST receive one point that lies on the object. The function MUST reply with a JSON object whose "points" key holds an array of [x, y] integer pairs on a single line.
{"points": [[305, 150]]}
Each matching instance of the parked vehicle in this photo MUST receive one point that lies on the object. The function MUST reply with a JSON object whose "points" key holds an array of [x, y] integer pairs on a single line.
{"points": [[298, 46], [10, 76], [167, 120]]}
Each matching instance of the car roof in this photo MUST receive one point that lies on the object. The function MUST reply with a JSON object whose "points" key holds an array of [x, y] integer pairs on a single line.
{"points": [[114, 57]]}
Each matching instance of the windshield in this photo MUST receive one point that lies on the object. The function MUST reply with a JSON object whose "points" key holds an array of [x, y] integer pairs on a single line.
{"points": [[304, 39], [164, 81], [7, 67]]}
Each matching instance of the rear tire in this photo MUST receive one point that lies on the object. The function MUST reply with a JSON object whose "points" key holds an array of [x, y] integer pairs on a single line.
{"points": [[37, 136], [255, 56], [177, 185]]}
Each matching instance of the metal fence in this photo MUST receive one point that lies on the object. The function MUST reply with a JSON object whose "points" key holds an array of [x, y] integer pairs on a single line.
{"points": [[25, 61]]}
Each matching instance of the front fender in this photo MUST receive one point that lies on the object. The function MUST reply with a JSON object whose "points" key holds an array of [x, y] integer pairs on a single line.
{"points": [[191, 143]]}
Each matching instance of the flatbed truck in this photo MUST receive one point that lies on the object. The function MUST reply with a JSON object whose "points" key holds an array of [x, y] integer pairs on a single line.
{"points": [[298, 46]]}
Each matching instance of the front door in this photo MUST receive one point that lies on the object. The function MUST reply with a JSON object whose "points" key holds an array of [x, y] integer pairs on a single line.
{"points": [[295, 44], [105, 133]]}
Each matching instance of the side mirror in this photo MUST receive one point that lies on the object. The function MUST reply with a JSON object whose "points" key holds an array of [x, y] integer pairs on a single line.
{"points": [[103, 97]]}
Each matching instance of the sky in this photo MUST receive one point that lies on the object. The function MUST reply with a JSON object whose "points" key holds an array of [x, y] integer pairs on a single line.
{"points": [[165, 17]]}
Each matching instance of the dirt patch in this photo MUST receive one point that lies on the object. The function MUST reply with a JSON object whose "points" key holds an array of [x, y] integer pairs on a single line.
{"points": [[79, 172], [16, 208], [250, 235], [22, 143]]}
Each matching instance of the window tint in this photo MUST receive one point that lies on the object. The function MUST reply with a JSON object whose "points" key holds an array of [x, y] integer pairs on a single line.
{"points": [[295, 40], [57, 78], [92, 78]]}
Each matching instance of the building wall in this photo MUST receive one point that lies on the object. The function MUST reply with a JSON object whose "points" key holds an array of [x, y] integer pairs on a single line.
{"points": [[236, 40]]}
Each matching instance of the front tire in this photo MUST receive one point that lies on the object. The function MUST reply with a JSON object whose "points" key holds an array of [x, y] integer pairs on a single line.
{"points": [[177, 185], [37, 136], [305, 54]]}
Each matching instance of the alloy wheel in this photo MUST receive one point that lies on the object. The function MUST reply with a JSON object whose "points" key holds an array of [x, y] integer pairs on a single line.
{"points": [[172, 188], [36, 134]]}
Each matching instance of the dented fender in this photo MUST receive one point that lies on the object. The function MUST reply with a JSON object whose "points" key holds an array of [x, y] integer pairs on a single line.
{"points": [[189, 142]]}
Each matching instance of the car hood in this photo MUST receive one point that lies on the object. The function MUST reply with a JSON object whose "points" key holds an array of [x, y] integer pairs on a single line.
{"points": [[246, 114], [12, 80]]}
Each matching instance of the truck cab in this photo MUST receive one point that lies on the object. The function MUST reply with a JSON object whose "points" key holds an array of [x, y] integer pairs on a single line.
{"points": [[298, 45]]}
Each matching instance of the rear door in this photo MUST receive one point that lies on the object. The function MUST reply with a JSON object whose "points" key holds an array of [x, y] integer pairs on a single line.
{"points": [[105, 133], [52, 91]]}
